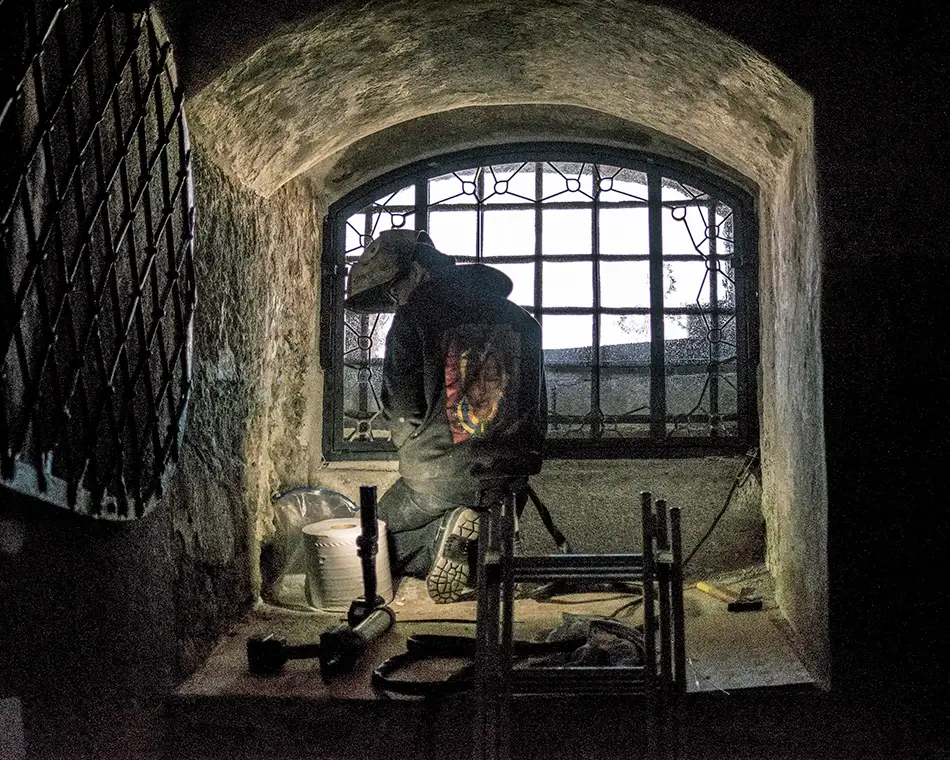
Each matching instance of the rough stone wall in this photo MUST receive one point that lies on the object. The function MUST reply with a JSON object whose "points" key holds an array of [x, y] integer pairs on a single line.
{"points": [[248, 430], [359, 68], [374, 74], [792, 434], [87, 607], [477, 126]]}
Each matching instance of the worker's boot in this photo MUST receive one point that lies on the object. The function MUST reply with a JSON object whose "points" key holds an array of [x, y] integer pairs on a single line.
{"points": [[452, 575]]}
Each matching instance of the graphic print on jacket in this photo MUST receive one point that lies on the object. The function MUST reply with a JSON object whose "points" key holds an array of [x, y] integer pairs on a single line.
{"points": [[482, 380]]}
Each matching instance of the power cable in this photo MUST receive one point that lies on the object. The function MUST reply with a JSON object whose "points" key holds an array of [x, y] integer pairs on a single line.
{"points": [[750, 459]]}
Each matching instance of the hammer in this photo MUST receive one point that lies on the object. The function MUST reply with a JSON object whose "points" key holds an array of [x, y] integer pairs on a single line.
{"points": [[338, 650], [743, 601], [266, 655]]}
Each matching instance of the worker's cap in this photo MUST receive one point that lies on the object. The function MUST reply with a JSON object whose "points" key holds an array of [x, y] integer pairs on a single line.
{"points": [[384, 260]]}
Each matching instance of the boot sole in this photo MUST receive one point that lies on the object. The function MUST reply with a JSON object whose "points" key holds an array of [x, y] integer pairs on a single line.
{"points": [[448, 580]]}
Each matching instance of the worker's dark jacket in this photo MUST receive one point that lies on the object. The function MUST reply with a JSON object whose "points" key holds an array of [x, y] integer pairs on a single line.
{"points": [[463, 385]]}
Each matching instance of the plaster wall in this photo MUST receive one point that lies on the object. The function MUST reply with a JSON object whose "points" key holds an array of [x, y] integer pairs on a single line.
{"points": [[792, 436], [345, 94], [357, 68]]}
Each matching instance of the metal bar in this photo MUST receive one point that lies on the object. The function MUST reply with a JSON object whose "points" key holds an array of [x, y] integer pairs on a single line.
{"points": [[367, 543], [649, 629], [676, 582], [663, 581], [479, 214], [164, 229], [421, 207], [657, 335], [507, 593], [712, 268], [526, 204], [640, 310], [75, 456], [46, 375], [597, 423], [487, 629], [142, 271], [605, 567], [538, 246]]}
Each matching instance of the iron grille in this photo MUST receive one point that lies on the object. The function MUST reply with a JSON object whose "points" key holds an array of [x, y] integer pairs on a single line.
{"points": [[97, 280], [642, 274]]}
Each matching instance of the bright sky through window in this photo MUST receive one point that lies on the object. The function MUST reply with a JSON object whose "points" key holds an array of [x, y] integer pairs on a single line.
{"points": [[565, 232], [646, 303]]}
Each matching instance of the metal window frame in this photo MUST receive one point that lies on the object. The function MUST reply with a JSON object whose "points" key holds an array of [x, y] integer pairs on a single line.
{"points": [[657, 445]]}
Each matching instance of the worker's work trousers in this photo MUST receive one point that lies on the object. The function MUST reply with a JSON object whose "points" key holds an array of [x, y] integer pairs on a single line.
{"points": [[412, 522]]}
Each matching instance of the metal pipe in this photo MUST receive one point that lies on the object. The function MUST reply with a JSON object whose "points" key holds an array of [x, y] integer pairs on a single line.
{"points": [[604, 567], [368, 542], [663, 581], [649, 632], [676, 582]]}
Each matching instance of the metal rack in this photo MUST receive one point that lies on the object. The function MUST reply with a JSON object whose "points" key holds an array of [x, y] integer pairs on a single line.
{"points": [[659, 679]]}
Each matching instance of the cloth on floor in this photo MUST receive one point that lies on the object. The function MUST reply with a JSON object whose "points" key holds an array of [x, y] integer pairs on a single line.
{"points": [[609, 643]]}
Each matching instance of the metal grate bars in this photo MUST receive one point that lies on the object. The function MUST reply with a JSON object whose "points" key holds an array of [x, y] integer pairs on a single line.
{"points": [[627, 264], [98, 280]]}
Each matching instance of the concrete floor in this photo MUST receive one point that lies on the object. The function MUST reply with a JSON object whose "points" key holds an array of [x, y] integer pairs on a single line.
{"points": [[223, 710], [725, 650], [749, 696]]}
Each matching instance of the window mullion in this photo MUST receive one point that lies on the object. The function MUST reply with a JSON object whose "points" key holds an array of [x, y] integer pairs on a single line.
{"points": [[657, 338], [365, 356], [538, 229], [422, 205], [479, 215], [712, 267], [597, 424]]}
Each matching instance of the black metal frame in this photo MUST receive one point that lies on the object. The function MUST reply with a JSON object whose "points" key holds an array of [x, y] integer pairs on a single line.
{"points": [[658, 444], [661, 678], [97, 278]]}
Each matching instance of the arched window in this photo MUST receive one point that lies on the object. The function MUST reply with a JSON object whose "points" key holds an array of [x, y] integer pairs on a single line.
{"points": [[641, 270]]}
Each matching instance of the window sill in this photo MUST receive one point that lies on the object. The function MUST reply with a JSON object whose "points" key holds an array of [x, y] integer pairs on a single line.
{"points": [[377, 465]]}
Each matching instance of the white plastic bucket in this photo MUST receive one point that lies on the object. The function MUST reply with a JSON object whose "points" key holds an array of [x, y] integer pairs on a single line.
{"points": [[334, 569]]}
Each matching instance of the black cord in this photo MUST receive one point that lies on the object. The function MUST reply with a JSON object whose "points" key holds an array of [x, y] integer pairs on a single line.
{"points": [[555, 600], [455, 621], [750, 459], [627, 606]]}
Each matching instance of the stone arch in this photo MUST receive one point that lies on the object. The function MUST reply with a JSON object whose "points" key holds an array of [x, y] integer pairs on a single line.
{"points": [[344, 94], [359, 68]]}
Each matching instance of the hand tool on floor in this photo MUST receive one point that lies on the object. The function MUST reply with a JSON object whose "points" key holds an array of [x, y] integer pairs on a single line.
{"points": [[743, 601], [341, 647], [338, 651], [266, 655]]}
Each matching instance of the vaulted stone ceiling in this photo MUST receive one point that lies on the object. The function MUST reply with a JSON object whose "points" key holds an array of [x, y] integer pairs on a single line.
{"points": [[325, 78]]}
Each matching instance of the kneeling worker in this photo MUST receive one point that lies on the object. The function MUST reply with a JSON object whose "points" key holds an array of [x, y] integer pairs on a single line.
{"points": [[463, 391]]}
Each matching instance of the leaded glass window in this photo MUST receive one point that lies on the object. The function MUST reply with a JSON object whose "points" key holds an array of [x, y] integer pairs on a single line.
{"points": [[642, 274]]}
